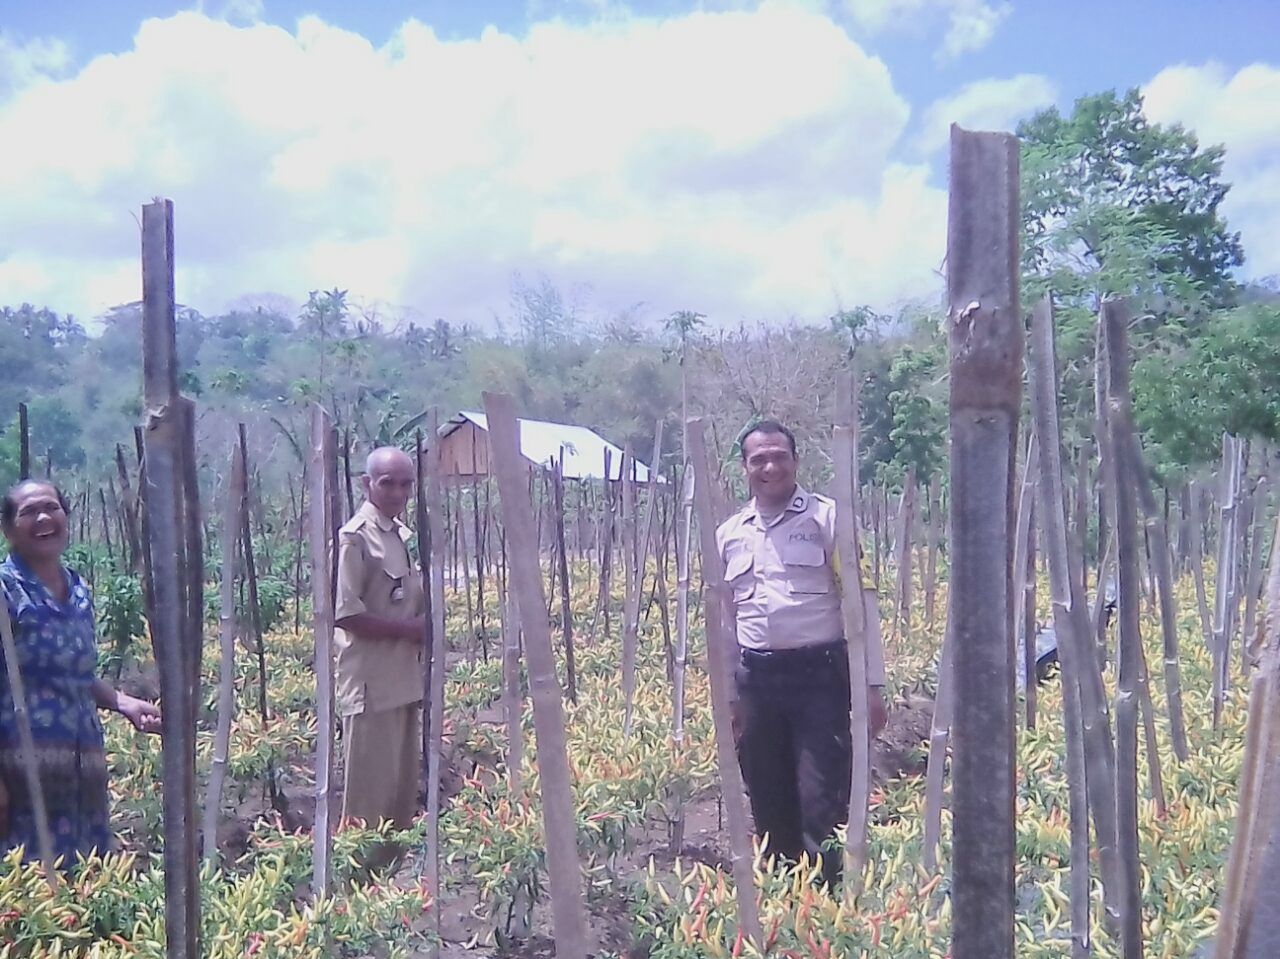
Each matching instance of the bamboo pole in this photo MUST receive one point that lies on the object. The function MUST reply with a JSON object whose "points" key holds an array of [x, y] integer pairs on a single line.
{"points": [[906, 511], [22, 717], [24, 443], [935, 767], [1115, 317], [1222, 595], [1162, 566], [322, 545], [985, 334], [433, 707], [1253, 574], [566, 608], [1071, 623], [720, 649], [853, 613], [1249, 920], [512, 695], [1021, 541], [934, 533], [1196, 536], [227, 665], [569, 921]]}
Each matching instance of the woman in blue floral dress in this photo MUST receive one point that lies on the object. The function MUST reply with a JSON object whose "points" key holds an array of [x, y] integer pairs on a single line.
{"points": [[53, 627]]}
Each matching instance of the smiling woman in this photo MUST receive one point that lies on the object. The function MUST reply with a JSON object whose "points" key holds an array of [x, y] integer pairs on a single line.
{"points": [[53, 626]]}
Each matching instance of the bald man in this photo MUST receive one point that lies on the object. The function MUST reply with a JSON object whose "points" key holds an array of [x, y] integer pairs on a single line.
{"points": [[380, 641]]}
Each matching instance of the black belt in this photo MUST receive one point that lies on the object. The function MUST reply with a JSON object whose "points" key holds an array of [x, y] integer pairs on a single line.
{"points": [[798, 657]]}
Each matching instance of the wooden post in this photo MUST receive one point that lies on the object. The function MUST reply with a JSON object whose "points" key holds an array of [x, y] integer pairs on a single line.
{"points": [[985, 333], [1230, 480], [433, 707], [720, 651], [936, 764], [1115, 316], [1071, 627], [24, 443], [255, 612], [1253, 573], [906, 513], [844, 452], [322, 546], [566, 610], [1021, 540], [565, 872], [934, 533], [176, 649], [632, 626], [512, 697], [227, 643]]}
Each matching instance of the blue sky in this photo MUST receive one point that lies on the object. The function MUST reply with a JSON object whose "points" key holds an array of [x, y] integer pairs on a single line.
{"points": [[751, 160]]}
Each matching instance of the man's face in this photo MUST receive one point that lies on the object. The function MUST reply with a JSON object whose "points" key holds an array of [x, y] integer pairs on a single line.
{"points": [[390, 486], [770, 466]]}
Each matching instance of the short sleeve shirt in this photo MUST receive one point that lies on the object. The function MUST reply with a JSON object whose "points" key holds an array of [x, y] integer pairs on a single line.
{"points": [[781, 573], [376, 574]]}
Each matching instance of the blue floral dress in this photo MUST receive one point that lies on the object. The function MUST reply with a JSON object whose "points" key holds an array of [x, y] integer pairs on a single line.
{"points": [[57, 654]]}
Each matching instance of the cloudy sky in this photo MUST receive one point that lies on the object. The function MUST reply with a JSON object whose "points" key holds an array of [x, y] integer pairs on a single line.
{"points": [[753, 161]]}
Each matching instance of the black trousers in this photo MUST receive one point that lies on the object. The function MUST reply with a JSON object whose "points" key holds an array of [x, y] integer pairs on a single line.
{"points": [[794, 747]]}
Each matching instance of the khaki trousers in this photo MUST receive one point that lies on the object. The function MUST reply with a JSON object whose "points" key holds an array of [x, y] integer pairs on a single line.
{"points": [[383, 753]]}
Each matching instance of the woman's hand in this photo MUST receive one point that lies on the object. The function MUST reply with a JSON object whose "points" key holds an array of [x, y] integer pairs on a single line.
{"points": [[145, 716]]}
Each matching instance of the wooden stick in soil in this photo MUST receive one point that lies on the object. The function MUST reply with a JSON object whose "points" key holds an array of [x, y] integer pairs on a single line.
{"points": [[934, 533], [1249, 923], [1230, 480], [720, 651], [985, 334], [631, 636], [1075, 646], [1196, 549], [1029, 623], [462, 556], [24, 443], [227, 662], [936, 765], [22, 717], [106, 524], [433, 707], [684, 536], [1253, 574], [1162, 564], [560, 829], [255, 620], [512, 697], [168, 545], [844, 452], [1115, 316], [320, 467], [902, 593], [1021, 536], [566, 610]]}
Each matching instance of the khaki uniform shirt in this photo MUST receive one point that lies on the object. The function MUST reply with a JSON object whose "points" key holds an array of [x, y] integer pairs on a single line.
{"points": [[377, 575], [783, 580]]}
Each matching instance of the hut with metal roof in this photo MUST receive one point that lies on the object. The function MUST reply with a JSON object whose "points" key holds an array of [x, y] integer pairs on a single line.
{"points": [[583, 453]]}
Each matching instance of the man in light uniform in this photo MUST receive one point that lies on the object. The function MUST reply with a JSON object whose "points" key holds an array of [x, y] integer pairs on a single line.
{"points": [[792, 713], [381, 638]]}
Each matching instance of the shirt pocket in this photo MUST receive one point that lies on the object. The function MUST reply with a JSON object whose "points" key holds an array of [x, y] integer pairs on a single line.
{"points": [[738, 573], [397, 590], [807, 571]]}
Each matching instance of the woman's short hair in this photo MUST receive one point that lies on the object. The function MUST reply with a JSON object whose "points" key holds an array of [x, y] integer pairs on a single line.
{"points": [[9, 505]]}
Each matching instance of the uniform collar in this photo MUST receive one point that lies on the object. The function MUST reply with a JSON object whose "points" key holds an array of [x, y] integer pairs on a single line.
{"points": [[369, 511], [799, 503]]}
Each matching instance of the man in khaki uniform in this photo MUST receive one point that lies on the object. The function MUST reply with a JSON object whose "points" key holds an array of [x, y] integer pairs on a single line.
{"points": [[380, 639], [793, 672]]}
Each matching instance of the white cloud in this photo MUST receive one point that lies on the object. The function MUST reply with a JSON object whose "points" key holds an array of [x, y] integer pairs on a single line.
{"points": [[22, 64], [993, 104], [1239, 111], [970, 24], [737, 163]]}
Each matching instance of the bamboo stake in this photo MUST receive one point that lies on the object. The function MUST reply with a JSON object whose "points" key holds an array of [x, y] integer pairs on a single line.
{"points": [[935, 768], [227, 666], [22, 716], [566, 609], [1253, 575], [853, 613], [1248, 926], [433, 707], [1075, 646], [24, 443], [631, 637], [1162, 565], [1226, 564], [719, 657], [512, 695], [1196, 535], [985, 333], [1021, 538], [934, 532], [322, 544], [559, 826], [1115, 317]]}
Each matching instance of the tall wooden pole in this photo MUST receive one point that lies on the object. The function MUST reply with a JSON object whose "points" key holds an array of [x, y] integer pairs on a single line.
{"points": [[176, 648], [721, 649], [24, 443], [565, 871], [323, 455], [1115, 316], [986, 347]]}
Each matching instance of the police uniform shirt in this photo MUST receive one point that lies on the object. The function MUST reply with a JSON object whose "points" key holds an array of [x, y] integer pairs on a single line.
{"points": [[376, 575], [781, 573]]}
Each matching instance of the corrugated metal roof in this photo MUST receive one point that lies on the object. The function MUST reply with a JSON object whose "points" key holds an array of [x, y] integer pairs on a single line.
{"points": [[582, 449]]}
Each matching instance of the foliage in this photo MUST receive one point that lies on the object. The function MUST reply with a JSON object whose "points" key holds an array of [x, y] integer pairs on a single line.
{"points": [[121, 618]]}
